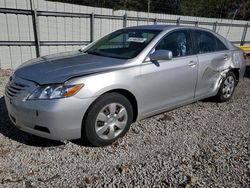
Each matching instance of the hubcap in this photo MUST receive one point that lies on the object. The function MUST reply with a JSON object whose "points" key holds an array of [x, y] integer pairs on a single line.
{"points": [[111, 121], [228, 87]]}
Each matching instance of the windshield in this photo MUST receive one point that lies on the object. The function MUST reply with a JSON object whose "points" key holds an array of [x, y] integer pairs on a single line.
{"points": [[123, 44]]}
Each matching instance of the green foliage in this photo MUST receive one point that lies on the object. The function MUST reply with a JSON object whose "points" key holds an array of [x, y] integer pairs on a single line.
{"points": [[202, 8]]}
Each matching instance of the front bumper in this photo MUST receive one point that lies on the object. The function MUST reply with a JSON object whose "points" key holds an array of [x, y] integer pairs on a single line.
{"points": [[57, 119]]}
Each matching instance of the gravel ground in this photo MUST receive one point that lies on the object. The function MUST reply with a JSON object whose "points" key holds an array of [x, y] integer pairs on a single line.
{"points": [[204, 144]]}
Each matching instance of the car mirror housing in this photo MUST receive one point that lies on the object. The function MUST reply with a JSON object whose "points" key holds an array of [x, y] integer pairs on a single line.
{"points": [[161, 55]]}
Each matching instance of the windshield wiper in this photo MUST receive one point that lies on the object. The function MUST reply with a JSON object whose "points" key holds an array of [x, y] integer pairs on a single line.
{"points": [[94, 53]]}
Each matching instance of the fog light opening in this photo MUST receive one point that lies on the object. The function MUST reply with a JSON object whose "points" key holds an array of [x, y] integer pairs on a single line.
{"points": [[42, 129]]}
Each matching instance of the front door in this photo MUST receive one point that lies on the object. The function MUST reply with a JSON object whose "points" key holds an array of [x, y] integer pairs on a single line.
{"points": [[167, 83]]}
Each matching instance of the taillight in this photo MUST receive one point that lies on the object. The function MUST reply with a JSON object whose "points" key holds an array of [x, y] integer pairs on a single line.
{"points": [[245, 56]]}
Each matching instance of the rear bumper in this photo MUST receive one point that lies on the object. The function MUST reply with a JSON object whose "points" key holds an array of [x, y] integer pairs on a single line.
{"points": [[58, 119]]}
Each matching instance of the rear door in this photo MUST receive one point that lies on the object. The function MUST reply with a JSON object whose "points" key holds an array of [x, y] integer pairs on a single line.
{"points": [[213, 57]]}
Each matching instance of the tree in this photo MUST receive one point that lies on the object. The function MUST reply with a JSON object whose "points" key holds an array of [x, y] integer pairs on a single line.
{"points": [[202, 8]]}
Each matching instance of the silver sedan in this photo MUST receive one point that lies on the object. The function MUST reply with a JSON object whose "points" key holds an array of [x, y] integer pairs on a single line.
{"points": [[128, 75]]}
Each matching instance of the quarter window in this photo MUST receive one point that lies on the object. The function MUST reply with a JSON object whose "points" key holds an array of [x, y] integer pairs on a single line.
{"points": [[177, 42], [220, 45]]}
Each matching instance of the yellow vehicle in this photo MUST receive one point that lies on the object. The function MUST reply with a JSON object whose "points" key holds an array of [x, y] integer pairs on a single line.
{"points": [[246, 49]]}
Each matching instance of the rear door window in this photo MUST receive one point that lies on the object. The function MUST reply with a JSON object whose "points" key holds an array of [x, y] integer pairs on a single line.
{"points": [[207, 42]]}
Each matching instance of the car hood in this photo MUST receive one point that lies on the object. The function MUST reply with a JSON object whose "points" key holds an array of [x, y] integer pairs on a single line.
{"points": [[60, 67]]}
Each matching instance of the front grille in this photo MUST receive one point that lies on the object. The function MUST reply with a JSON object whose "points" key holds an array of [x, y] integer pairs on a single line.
{"points": [[14, 89]]}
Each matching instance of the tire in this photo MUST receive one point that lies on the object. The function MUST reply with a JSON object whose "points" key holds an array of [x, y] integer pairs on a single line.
{"points": [[107, 119], [227, 87]]}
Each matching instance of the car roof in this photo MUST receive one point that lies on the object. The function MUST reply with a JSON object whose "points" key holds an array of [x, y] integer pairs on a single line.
{"points": [[166, 27], [169, 27], [153, 27]]}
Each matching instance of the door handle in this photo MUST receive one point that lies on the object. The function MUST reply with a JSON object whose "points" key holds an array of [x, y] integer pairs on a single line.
{"points": [[225, 57], [192, 63]]}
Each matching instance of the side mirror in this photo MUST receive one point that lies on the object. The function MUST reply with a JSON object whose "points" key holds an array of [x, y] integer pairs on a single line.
{"points": [[161, 55]]}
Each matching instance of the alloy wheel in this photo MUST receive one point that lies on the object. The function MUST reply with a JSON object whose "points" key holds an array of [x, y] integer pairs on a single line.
{"points": [[228, 87]]}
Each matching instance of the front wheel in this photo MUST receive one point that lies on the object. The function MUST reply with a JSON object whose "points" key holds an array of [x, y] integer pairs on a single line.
{"points": [[107, 119], [227, 87]]}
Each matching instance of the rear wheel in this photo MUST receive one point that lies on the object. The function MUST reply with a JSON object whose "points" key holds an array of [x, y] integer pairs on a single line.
{"points": [[227, 87], [107, 119]]}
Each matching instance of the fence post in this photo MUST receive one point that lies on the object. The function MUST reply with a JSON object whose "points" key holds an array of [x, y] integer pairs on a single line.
{"points": [[92, 26], [36, 32], [215, 26], [155, 21], [178, 21], [196, 24], [125, 20], [244, 35]]}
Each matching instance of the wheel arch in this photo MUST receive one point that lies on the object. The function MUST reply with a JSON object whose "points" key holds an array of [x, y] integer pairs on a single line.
{"points": [[236, 72], [129, 95], [132, 99]]}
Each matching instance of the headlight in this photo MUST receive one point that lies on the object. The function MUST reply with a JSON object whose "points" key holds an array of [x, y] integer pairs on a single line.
{"points": [[55, 91]]}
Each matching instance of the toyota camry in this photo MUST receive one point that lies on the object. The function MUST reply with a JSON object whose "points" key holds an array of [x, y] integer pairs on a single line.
{"points": [[130, 74]]}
